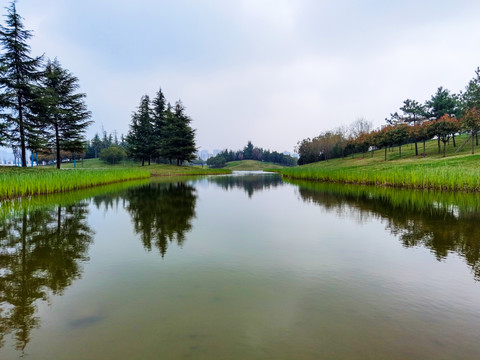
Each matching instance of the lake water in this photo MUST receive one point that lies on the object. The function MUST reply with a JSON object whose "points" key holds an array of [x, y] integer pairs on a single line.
{"points": [[240, 267]]}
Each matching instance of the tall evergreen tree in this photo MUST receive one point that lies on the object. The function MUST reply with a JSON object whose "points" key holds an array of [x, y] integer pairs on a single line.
{"points": [[63, 109], [442, 103], [96, 144], [106, 140], [248, 151], [471, 96], [140, 144], [413, 111], [20, 73], [159, 107], [178, 142]]}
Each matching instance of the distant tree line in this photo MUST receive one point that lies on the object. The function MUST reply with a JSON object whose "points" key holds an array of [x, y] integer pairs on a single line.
{"points": [[41, 109], [109, 147], [251, 152], [442, 117]]}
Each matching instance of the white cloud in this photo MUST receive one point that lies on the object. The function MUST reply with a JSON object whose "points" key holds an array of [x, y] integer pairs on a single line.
{"points": [[271, 71]]}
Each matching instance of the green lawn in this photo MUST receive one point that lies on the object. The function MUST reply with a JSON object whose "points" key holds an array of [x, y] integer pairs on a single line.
{"points": [[154, 169], [251, 165]]}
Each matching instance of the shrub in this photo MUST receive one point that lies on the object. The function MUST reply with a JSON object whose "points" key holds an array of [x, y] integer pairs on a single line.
{"points": [[113, 155]]}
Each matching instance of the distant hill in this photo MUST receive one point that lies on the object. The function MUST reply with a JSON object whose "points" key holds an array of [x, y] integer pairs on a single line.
{"points": [[251, 165]]}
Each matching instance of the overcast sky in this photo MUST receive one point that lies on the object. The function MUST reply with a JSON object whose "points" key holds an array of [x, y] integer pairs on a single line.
{"points": [[270, 71]]}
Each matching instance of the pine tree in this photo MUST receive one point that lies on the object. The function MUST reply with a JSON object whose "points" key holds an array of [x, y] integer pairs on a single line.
{"points": [[442, 103], [471, 97], [19, 76], [140, 144], [159, 107], [179, 137], [413, 111], [63, 109], [96, 144]]}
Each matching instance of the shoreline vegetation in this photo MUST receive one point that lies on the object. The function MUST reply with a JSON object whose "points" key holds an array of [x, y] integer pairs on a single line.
{"points": [[18, 182], [456, 172], [251, 165]]}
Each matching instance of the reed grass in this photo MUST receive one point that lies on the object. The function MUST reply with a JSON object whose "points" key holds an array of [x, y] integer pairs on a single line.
{"points": [[15, 206], [16, 182], [417, 177], [456, 172]]}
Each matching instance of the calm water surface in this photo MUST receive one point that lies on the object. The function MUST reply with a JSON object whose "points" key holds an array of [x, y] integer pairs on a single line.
{"points": [[241, 267]]}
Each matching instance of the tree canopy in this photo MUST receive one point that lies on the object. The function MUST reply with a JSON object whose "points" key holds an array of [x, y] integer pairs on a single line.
{"points": [[19, 77], [160, 132], [40, 106]]}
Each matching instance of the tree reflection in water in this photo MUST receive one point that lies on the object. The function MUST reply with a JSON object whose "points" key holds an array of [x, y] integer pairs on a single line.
{"points": [[442, 222], [250, 183], [161, 213], [40, 254]]}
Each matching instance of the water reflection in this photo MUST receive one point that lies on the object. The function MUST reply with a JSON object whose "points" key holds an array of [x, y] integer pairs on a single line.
{"points": [[40, 254], [161, 212], [445, 223], [250, 182]]}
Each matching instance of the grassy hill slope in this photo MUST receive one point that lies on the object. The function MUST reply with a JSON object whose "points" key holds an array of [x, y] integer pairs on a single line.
{"points": [[457, 171]]}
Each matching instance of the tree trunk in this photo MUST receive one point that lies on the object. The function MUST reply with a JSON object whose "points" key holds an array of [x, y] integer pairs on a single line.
{"points": [[57, 145], [385, 152], [439, 149], [416, 148], [424, 151], [143, 162], [22, 131], [453, 139], [444, 147]]}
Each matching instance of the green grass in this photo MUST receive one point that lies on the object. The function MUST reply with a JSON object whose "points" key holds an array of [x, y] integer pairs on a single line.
{"points": [[455, 172], [173, 170], [20, 182], [17, 182], [251, 165], [15, 206], [153, 169]]}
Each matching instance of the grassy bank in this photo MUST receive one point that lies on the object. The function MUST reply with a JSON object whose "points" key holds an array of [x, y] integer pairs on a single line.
{"points": [[454, 172], [251, 165], [16, 182], [153, 169], [15, 206]]}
